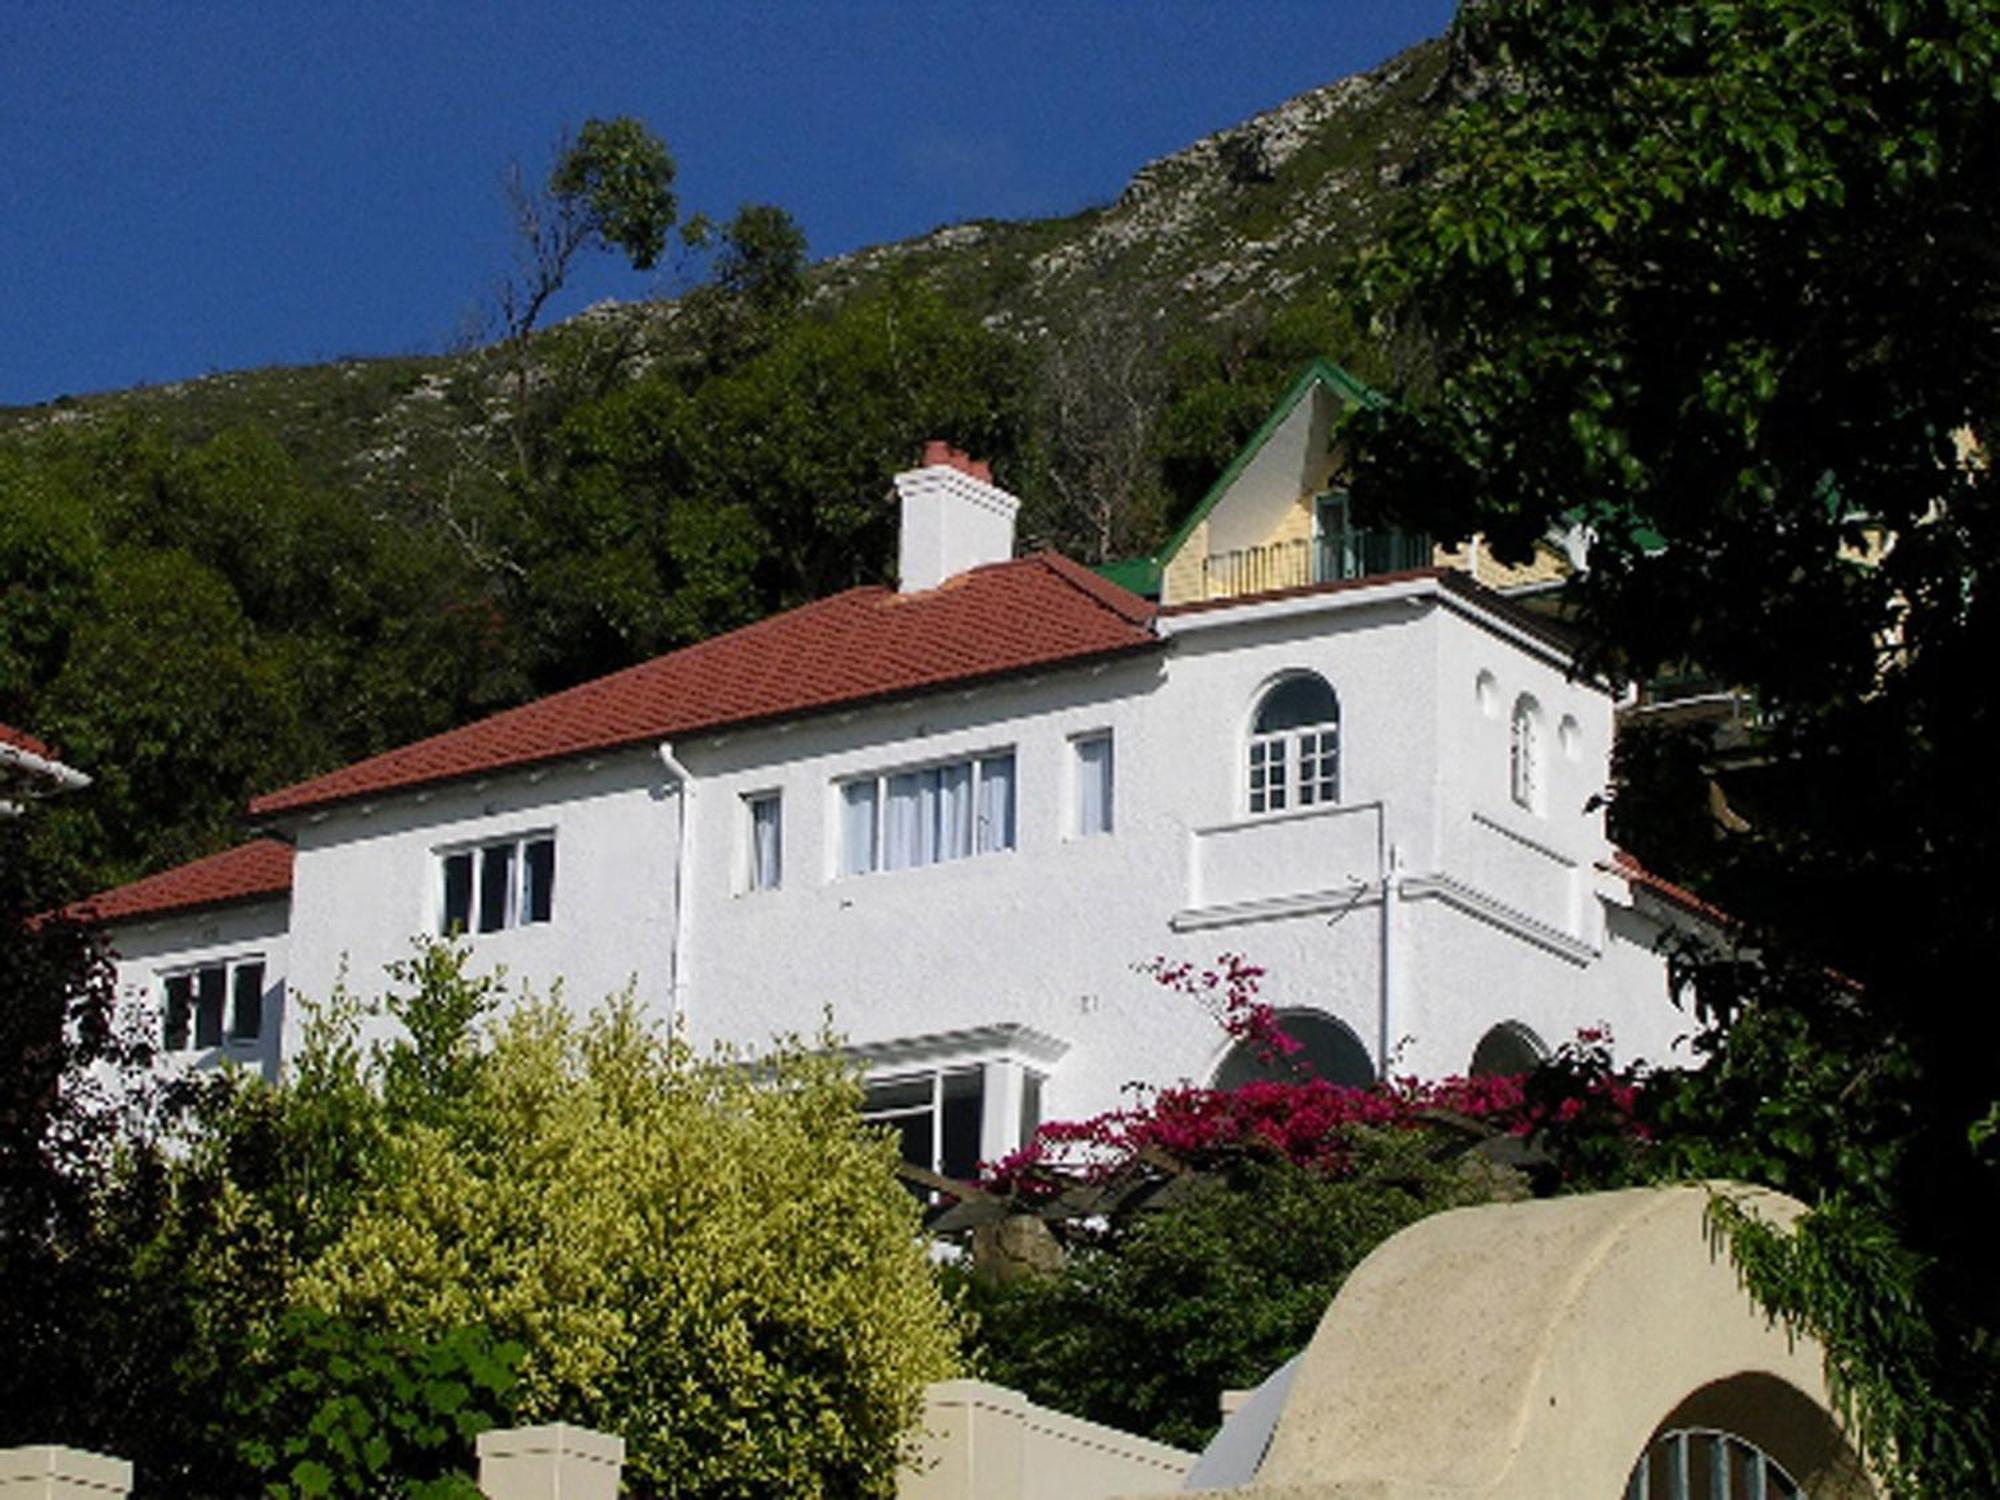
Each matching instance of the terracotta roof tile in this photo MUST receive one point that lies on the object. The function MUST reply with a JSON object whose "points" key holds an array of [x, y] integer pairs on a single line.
{"points": [[855, 647], [22, 740], [249, 872], [1637, 874]]}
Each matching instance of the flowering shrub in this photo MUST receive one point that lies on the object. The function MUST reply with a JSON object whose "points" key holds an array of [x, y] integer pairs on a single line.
{"points": [[1583, 1112]]}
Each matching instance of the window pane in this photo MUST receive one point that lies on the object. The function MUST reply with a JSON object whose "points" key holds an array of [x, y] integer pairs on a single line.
{"points": [[909, 823], [496, 886], [955, 810], [457, 894], [246, 1002], [180, 1011], [964, 1104], [1295, 703], [210, 986], [1093, 784], [996, 802], [857, 828], [766, 846], [538, 892], [900, 1095]]}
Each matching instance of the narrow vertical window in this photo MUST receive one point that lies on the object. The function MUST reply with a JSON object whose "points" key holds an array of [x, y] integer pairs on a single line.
{"points": [[1093, 784], [767, 848], [180, 1011], [857, 827], [1525, 767], [211, 986], [496, 887], [538, 880], [996, 802], [457, 916], [246, 1002]]}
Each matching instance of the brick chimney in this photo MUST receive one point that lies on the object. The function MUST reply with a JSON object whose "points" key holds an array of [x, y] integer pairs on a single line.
{"points": [[954, 517]]}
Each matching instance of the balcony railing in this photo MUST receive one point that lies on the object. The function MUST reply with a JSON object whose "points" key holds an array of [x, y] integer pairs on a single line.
{"points": [[1295, 564]]}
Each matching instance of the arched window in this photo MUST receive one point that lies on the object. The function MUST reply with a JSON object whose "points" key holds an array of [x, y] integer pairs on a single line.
{"points": [[1329, 1050], [1526, 766], [1508, 1048], [1295, 745]]}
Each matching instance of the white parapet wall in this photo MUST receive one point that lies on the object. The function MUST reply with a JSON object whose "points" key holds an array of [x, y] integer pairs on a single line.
{"points": [[50, 1472], [979, 1441]]}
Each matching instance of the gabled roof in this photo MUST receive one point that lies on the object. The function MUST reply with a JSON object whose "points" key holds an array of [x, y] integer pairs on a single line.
{"points": [[1142, 574], [856, 647], [256, 871]]}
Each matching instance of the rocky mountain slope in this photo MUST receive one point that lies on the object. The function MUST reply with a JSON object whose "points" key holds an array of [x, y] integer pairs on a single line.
{"points": [[1229, 228]]}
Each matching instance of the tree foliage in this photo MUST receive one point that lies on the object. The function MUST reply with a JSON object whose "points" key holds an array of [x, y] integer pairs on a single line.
{"points": [[1717, 282], [328, 1286]]}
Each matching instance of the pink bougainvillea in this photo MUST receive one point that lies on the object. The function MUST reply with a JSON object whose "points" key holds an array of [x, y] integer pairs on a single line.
{"points": [[1306, 1120]]}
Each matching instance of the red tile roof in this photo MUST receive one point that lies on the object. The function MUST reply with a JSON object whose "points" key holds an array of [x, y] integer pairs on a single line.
{"points": [[250, 872], [22, 740], [859, 646], [1674, 895]]}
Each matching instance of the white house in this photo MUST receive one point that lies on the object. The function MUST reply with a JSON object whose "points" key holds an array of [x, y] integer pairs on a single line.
{"points": [[955, 815]]}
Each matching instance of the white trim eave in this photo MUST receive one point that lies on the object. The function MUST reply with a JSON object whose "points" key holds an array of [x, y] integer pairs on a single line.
{"points": [[1488, 908], [41, 768], [1413, 591], [1004, 1039], [1276, 908]]}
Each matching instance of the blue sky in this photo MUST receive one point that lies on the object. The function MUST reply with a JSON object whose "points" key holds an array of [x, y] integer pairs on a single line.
{"points": [[198, 187]]}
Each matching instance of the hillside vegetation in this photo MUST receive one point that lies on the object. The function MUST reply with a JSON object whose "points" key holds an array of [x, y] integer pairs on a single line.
{"points": [[221, 585]]}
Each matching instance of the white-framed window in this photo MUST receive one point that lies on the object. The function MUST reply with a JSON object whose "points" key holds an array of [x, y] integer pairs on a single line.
{"points": [[937, 1117], [764, 821], [898, 820], [209, 1004], [1092, 769], [500, 883], [1295, 745], [1525, 774]]}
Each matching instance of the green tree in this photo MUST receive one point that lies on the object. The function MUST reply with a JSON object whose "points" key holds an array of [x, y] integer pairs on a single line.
{"points": [[1716, 281], [1157, 1312]]}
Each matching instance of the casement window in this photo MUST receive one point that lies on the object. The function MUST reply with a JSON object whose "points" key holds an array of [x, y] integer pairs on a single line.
{"points": [[939, 1118], [902, 819], [499, 884], [213, 1003], [1092, 770], [1525, 770], [936, 1117], [764, 866], [1295, 746]]}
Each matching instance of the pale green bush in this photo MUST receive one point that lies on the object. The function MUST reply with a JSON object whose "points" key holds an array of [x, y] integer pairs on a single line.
{"points": [[710, 1258]]}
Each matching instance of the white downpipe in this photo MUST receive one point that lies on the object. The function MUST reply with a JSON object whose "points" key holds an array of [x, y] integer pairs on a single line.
{"points": [[1392, 900], [683, 853]]}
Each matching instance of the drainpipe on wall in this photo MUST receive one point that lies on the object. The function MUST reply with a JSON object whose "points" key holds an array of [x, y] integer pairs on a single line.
{"points": [[1392, 895], [684, 847]]}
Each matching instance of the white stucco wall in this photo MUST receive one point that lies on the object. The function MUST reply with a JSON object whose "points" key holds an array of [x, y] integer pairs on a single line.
{"points": [[367, 881]]}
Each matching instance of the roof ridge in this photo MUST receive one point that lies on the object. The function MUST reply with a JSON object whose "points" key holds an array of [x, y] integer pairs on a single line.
{"points": [[1122, 602]]}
